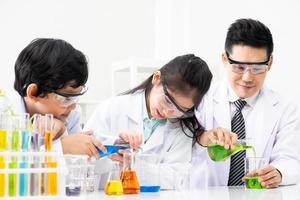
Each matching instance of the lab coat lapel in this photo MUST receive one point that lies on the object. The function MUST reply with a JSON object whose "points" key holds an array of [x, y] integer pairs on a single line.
{"points": [[157, 137], [264, 115]]}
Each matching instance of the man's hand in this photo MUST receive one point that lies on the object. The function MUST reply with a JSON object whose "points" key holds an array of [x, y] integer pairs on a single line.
{"points": [[81, 143], [218, 135], [269, 176]]}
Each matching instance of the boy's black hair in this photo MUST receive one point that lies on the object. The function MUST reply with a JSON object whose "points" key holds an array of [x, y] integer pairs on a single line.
{"points": [[249, 32], [52, 64]]}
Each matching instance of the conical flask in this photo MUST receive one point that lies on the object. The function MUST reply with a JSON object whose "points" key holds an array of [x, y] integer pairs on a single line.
{"points": [[114, 184], [217, 152], [129, 179]]}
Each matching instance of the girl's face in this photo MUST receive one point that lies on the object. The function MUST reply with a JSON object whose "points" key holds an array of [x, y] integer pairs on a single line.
{"points": [[164, 103]]}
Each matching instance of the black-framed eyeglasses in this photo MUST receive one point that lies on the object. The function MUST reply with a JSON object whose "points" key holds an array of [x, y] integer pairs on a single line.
{"points": [[242, 67], [185, 113]]}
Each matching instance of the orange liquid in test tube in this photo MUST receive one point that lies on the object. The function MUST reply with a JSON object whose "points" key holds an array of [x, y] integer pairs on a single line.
{"points": [[52, 180], [48, 140]]}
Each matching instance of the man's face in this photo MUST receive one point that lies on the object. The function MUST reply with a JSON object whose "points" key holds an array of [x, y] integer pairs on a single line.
{"points": [[246, 81]]}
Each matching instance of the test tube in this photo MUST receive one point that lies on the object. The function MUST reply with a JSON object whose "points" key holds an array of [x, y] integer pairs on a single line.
{"points": [[3, 146], [24, 129], [48, 131], [52, 179], [2, 177], [35, 147], [50, 162], [3, 131], [25, 133], [12, 177], [15, 132]]}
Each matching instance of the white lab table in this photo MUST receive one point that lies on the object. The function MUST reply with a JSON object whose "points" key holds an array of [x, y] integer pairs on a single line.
{"points": [[211, 193]]}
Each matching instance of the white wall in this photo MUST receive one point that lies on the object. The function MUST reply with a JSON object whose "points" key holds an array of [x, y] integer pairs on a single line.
{"points": [[104, 30], [206, 23], [112, 30]]}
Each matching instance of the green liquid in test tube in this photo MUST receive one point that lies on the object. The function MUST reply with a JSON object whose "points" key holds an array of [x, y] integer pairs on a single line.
{"points": [[12, 178]]}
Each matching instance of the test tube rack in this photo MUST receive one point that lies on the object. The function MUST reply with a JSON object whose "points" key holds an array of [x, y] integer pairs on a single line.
{"points": [[14, 185]]}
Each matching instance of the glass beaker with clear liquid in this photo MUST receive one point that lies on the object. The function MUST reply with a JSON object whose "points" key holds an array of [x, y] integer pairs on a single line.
{"points": [[114, 184], [217, 152], [128, 176]]}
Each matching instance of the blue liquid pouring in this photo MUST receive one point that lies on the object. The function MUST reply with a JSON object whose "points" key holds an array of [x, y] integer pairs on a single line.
{"points": [[149, 188], [111, 149]]}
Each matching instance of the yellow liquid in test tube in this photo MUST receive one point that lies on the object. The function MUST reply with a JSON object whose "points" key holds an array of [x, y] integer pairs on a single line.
{"points": [[3, 141], [2, 177], [48, 140], [52, 179], [113, 187]]}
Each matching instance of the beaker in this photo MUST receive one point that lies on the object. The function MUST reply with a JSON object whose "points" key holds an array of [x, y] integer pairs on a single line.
{"points": [[252, 164], [128, 176], [217, 152], [147, 170], [114, 184], [76, 178]]}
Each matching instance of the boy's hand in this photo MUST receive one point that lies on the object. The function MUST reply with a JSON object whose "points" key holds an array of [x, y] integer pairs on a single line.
{"points": [[81, 143], [58, 128], [218, 135]]}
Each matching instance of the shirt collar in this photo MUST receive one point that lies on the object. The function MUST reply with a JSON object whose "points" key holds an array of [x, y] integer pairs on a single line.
{"points": [[250, 100]]}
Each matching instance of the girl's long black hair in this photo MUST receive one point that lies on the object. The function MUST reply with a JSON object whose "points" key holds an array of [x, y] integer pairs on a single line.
{"points": [[188, 75]]}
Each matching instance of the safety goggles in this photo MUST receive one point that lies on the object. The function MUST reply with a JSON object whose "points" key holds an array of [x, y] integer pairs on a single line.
{"points": [[170, 104], [67, 99], [242, 67]]}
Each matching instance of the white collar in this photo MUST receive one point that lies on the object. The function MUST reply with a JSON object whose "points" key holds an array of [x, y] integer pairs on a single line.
{"points": [[232, 97]]}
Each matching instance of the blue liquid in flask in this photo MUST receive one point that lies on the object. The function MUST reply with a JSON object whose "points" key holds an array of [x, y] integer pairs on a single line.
{"points": [[111, 149]]}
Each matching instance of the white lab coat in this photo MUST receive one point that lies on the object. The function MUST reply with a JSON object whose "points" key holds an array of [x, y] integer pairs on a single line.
{"points": [[273, 124], [123, 113], [72, 123]]}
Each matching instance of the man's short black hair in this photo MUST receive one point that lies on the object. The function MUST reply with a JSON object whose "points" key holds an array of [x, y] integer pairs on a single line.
{"points": [[249, 32], [52, 64]]}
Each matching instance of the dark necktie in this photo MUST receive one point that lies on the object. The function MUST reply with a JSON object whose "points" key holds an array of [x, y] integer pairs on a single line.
{"points": [[237, 170]]}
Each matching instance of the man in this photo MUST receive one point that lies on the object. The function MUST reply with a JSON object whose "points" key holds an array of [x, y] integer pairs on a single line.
{"points": [[243, 107], [50, 75]]}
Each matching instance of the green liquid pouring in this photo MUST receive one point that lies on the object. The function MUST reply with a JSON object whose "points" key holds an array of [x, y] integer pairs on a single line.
{"points": [[217, 152]]}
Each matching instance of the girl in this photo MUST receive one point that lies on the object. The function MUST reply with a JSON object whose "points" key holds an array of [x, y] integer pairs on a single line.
{"points": [[158, 115]]}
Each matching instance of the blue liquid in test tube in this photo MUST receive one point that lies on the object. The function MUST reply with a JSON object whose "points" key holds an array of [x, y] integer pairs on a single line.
{"points": [[23, 183], [23, 189]]}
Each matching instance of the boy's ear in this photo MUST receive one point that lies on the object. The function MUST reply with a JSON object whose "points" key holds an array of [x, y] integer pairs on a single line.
{"points": [[31, 91]]}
